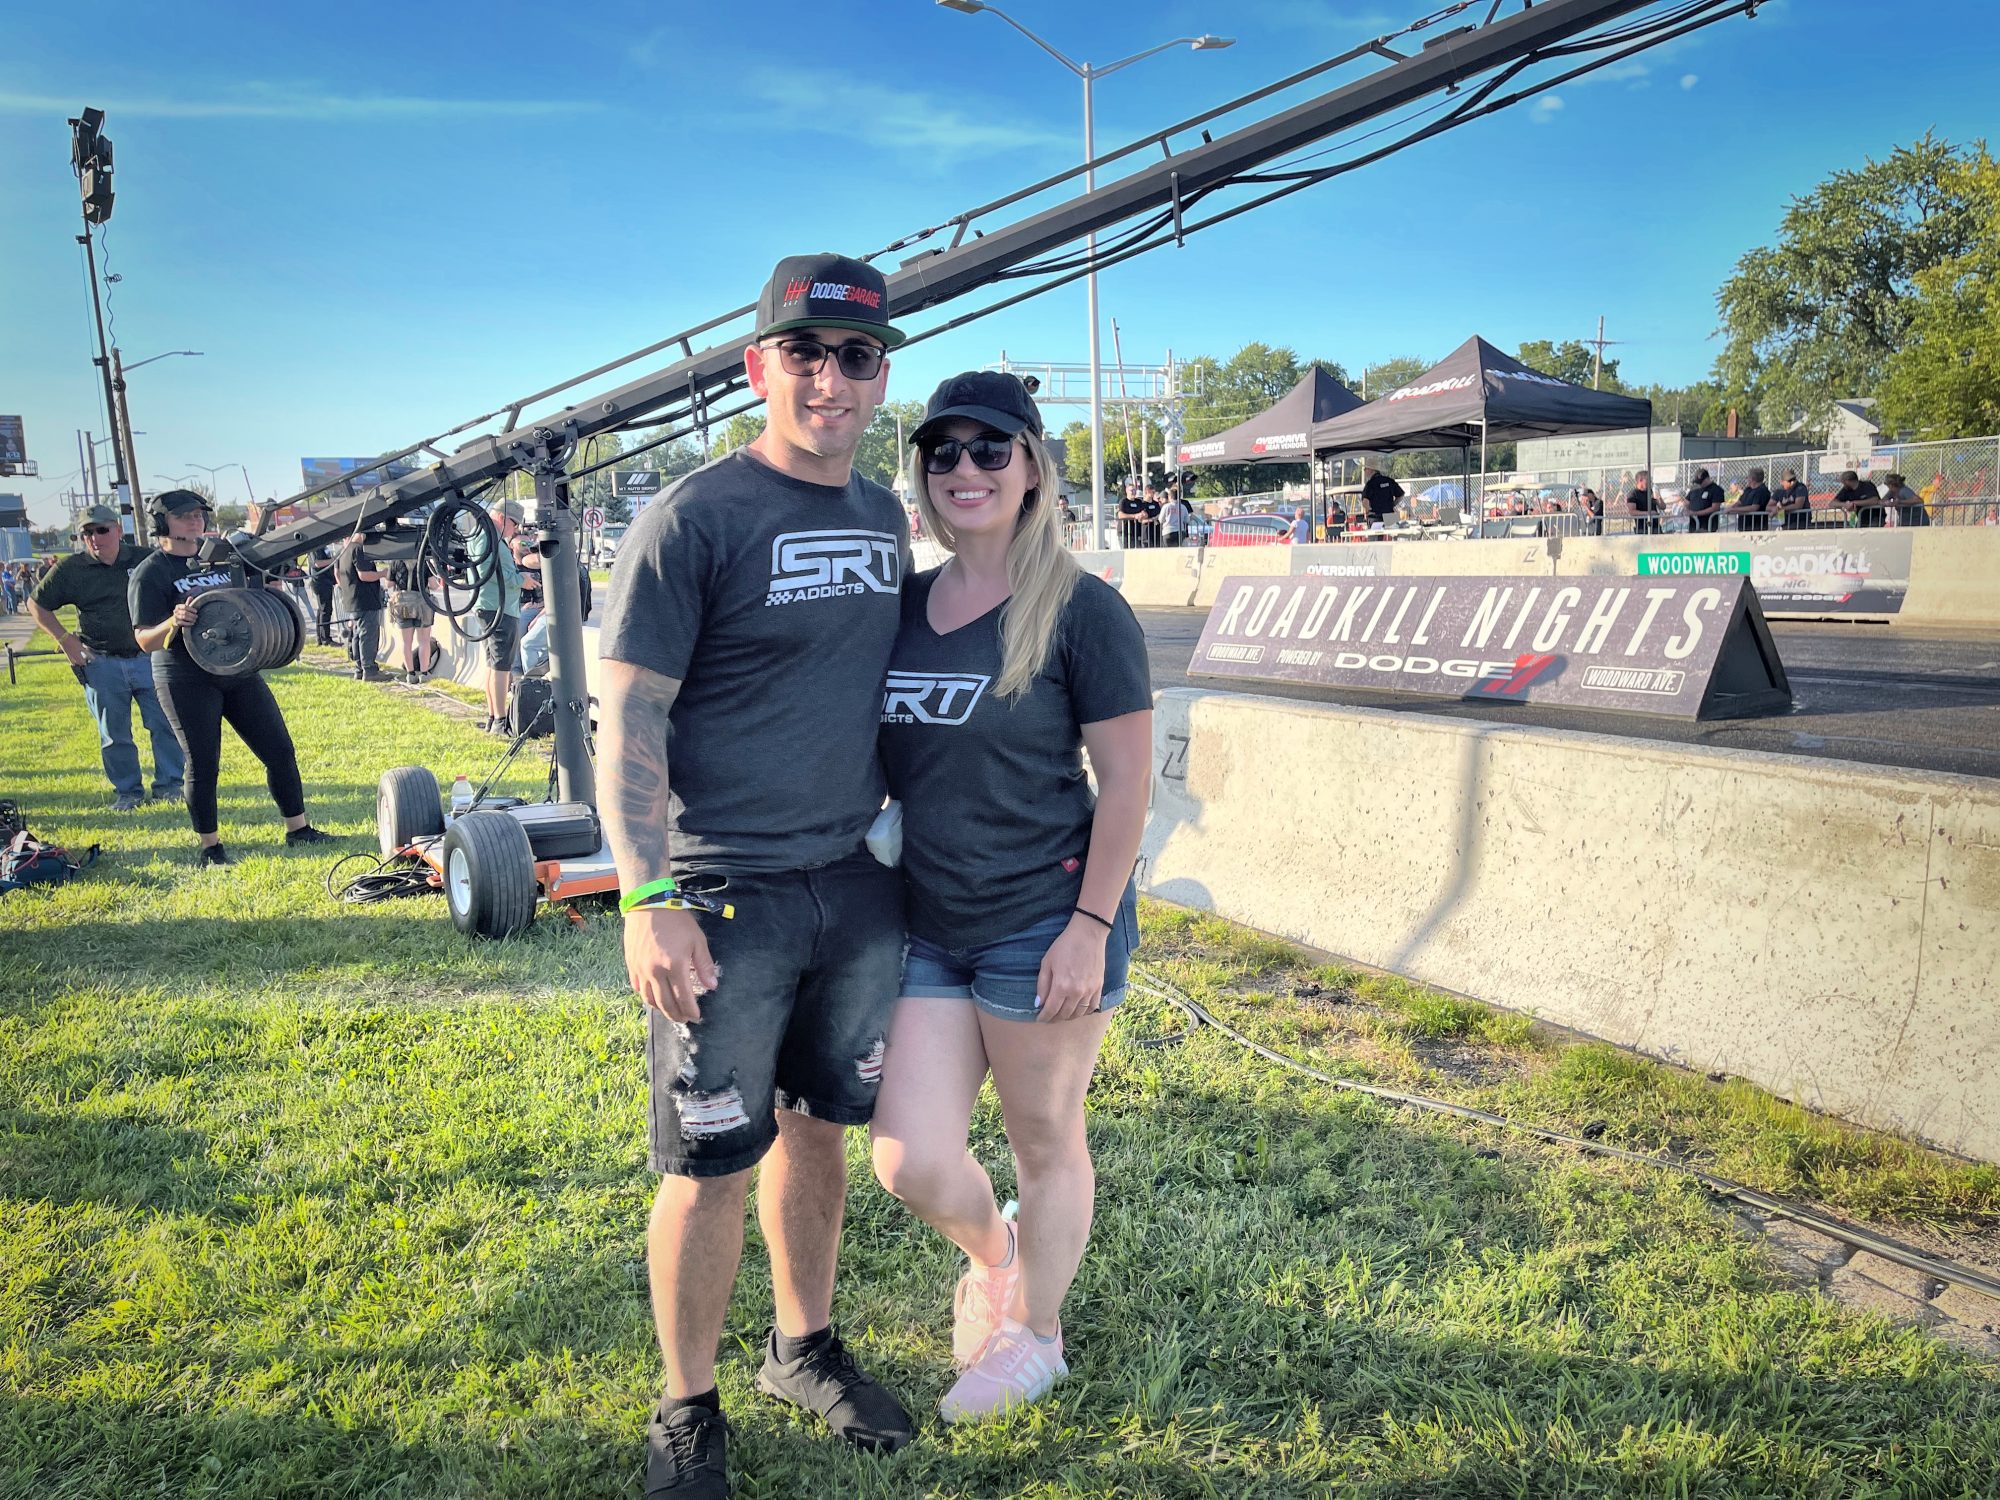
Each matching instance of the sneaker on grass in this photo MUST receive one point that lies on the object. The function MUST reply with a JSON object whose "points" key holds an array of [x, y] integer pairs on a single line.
{"points": [[824, 1380], [212, 854], [1016, 1369], [128, 801], [687, 1453], [307, 835], [984, 1295]]}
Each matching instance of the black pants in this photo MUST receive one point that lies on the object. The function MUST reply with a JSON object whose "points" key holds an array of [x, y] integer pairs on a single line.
{"points": [[197, 704], [322, 592], [366, 642]]}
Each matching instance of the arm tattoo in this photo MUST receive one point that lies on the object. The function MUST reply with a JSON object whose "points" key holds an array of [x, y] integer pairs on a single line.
{"points": [[632, 769]]}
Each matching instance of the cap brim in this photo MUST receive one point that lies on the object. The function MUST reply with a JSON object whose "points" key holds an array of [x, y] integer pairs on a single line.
{"points": [[999, 420], [890, 337]]}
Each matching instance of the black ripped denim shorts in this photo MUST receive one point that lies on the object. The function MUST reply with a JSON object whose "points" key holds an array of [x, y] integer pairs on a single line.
{"points": [[808, 970]]}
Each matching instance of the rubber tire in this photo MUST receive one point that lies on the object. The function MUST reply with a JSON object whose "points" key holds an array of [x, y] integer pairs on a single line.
{"points": [[407, 806], [489, 875]]}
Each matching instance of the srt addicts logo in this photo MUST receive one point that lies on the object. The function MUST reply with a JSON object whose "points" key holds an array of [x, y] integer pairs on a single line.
{"points": [[832, 565]]}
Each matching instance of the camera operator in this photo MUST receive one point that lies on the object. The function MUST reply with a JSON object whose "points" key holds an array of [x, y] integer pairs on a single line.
{"points": [[360, 582], [162, 598]]}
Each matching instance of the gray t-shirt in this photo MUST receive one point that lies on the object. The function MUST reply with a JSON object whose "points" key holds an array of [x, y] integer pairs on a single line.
{"points": [[996, 807], [775, 603]]}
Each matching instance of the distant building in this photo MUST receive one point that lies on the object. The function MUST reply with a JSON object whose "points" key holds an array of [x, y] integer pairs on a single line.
{"points": [[1626, 449], [1852, 428], [16, 542]]}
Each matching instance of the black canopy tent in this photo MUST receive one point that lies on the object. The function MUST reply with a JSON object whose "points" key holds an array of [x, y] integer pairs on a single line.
{"points": [[1476, 394], [1281, 434]]}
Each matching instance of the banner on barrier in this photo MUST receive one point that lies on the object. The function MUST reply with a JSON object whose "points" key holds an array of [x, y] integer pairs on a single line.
{"points": [[1344, 560], [1680, 647], [1822, 571]]}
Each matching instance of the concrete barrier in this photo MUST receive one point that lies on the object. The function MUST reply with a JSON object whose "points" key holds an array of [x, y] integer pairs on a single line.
{"points": [[1825, 930], [1161, 577], [1954, 576]]}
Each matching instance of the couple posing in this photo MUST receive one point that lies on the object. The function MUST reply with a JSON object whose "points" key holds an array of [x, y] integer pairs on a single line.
{"points": [[746, 745]]}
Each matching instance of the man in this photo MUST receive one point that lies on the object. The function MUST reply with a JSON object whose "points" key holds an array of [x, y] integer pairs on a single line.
{"points": [[1149, 528], [1793, 501], [1132, 519], [1175, 519], [1591, 509], [752, 612], [321, 583], [360, 584], [1860, 499], [1752, 506], [106, 659], [1380, 493], [1704, 503], [1643, 506], [497, 607]]}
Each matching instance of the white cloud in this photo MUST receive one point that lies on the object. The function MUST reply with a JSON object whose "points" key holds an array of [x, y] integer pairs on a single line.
{"points": [[933, 127], [1545, 108], [1689, 80], [278, 102]]}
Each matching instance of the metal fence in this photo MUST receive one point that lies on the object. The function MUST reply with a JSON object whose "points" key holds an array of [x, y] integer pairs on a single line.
{"points": [[1958, 480]]}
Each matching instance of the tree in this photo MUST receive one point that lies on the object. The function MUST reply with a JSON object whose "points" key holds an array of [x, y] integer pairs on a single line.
{"points": [[742, 429], [1233, 391], [1571, 360], [880, 456], [1821, 314], [1945, 382], [1387, 375]]}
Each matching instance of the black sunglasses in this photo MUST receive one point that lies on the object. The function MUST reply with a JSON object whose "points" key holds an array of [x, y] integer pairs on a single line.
{"points": [[99, 530], [857, 360], [990, 451]]}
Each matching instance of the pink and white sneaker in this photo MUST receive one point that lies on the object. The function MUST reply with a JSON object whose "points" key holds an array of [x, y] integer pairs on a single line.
{"points": [[983, 1298], [1015, 1369]]}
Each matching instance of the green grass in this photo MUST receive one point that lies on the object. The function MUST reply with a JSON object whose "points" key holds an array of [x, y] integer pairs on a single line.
{"points": [[298, 1199]]}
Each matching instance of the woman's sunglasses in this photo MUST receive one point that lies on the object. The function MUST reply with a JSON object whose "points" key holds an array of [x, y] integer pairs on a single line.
{"points": [[857, 360], [990, 451]]}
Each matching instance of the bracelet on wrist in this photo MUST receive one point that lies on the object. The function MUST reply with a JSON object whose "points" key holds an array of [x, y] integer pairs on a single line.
{"points": [[646, 895], [1093, 917]]}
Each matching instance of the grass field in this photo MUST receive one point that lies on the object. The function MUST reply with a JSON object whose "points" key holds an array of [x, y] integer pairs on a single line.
{"points": [[305, 1200]]}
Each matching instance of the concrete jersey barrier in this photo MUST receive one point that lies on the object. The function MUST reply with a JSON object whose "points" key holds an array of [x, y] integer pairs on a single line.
{"points": [[1825, 930]]}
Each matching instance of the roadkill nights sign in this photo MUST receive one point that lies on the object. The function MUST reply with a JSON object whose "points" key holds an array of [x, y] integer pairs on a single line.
{"points": [[1680, 647]]}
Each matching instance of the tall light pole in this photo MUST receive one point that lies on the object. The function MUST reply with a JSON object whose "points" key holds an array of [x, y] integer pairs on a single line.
{"points": [[1090, 74], [214, 489], [124, 416]]}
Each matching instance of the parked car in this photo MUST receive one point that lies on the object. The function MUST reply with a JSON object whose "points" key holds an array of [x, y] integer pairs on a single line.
{"points": [[1260, 529]]}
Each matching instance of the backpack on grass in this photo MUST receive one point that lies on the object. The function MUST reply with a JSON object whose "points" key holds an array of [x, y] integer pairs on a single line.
{"points": [[26, 860]]}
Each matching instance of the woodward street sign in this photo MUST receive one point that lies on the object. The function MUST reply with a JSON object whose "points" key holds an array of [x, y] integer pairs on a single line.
{"points": [[1681, 647], [1821, 571]]}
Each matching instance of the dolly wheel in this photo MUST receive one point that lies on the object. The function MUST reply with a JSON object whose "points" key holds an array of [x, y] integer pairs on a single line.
{"points": [[406, 808], [489, 875]]}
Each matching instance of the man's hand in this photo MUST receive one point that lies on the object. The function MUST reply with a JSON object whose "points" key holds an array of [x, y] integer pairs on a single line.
{"points": [[79, 654], [667, 960], [1072, 977]]}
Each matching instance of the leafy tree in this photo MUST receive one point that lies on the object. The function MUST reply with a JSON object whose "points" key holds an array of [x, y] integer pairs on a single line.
{"points": [[1571, 360], [1234, 390], [1945, 382], [880, 456], [1381, 378], [1821, 314], [743, 428]]}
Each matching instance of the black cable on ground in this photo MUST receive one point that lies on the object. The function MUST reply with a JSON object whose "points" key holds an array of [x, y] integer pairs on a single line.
{"points": [[1848, 1234], [383, 880]]}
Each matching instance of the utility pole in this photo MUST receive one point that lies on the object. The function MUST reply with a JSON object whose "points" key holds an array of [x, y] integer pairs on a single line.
{"points": [[122, 414], [1597, 365]]}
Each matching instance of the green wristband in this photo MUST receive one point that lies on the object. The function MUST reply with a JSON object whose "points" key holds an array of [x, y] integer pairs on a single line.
{"points": [[633, 900]]}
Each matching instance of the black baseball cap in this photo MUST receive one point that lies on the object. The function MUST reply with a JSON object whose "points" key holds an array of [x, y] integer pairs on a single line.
{"points": [[173, 502], [98, 515], [826, 291], [990, 396]]}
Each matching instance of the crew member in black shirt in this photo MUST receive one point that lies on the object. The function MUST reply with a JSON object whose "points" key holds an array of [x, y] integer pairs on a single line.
{"points": [[1704, 503], [1860, 499], [1592, 507], [1380, 493], [1792, 501], [162, 597], [362, 599], [1643, 505], [1750, 508], [1131, 520], [107, 661]]}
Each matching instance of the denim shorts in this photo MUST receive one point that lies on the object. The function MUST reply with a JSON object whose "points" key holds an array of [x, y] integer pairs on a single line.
{"points": [[1000, 977], [798, 1019]]}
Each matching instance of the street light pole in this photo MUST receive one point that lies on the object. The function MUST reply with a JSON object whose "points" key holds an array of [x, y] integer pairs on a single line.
{"points": [[1090, 75]]}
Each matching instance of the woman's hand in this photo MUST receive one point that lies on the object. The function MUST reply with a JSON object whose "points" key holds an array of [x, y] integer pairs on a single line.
{"points": [[1072, 978], [185, 612]]}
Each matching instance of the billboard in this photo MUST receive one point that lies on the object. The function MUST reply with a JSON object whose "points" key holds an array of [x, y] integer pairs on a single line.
{"points": [[362, 472], [635, 482], [13, 441], [1692, 648], [1830, 571]]}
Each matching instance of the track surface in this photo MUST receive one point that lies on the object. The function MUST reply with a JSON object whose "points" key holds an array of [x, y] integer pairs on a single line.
{"points": [[1871, 693]]}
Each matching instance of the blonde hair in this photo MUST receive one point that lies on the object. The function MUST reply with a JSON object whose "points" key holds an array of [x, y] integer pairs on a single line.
{"points": [[1041, 574]]}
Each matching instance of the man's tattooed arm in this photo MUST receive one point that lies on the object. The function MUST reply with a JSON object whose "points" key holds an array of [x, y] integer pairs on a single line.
{"points": [[632, 767]]}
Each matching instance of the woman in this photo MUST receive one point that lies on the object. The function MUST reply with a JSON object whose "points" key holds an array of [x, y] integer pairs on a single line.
{"points": [[162, 597], [414, 618], [1011, 661]]}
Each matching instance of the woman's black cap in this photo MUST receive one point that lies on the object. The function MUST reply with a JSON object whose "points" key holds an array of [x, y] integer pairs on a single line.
{"points": [[990, 396]]}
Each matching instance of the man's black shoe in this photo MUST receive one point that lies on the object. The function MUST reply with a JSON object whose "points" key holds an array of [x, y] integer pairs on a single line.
{"points": [[687, 1453], [825, 1381]]}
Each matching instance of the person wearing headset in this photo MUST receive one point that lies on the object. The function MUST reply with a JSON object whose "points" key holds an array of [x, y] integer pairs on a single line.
{"points": [[164, 589]]}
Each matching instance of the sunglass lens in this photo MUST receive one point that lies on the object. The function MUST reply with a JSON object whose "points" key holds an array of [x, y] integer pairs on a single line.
{"points": [[859, 361], [802, 356], [942, 457], [990, 452]]}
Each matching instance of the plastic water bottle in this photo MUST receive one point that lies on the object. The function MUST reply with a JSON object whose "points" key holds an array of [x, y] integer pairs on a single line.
{"points": [[461, 796]]}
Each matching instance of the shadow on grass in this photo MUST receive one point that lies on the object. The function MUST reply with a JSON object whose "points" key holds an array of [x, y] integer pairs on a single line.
{"points": [[130, 1160]]}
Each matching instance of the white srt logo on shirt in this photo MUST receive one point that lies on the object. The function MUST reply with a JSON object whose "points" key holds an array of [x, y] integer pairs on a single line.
{"points": [[833, 564], [931, 698]]}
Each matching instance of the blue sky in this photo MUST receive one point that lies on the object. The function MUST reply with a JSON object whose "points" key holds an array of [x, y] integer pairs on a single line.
{"points": [[378, 220]]}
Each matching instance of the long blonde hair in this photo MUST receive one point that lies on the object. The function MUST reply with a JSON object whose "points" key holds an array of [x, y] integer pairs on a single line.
{"points": [[1040, 572]]}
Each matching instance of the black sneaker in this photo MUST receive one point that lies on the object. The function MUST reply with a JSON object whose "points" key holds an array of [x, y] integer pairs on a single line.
{"points": [[307, 835], [212, 854], [687, 1455], [504, 726], [826, 1382]]}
